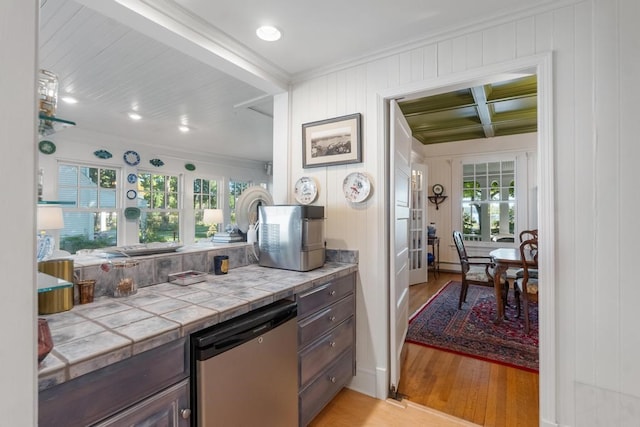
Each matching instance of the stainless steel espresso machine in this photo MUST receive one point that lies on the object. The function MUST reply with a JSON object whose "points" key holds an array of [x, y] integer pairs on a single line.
{"points": [[292, 237]]}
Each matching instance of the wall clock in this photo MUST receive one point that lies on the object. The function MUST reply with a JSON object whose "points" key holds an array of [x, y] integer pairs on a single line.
{"points": [[437, 189], [356, 187], [305, 190]]}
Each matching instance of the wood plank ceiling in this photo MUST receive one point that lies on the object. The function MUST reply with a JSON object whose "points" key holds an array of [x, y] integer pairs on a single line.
{"points": [[496, 109]]}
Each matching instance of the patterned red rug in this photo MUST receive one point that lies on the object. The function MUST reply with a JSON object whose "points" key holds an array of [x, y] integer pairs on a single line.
{"points": [[471, 331]]}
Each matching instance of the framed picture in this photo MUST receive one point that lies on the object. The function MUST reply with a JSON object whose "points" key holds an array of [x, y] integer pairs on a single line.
{"points": [[332, 141]]}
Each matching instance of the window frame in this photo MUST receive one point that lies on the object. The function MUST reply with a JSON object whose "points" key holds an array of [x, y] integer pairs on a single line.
{"points": [[179, 210], [77, 208], [521, 192]]}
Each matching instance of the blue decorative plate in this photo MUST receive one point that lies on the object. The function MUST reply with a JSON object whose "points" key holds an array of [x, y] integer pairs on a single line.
{"points": [[132, 178], [102, 154], [156, 162], [131, 158], [132, 194]]}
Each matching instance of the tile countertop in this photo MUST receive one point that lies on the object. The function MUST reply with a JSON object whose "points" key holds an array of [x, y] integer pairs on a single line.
{"points": [[91, 336]]}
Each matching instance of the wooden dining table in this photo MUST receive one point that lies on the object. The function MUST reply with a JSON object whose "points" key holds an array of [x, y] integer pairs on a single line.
{"points": [[504, 258]]}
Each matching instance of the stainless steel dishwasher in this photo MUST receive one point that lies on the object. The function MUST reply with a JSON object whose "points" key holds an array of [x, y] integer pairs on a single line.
{"points": [[244, 372]]}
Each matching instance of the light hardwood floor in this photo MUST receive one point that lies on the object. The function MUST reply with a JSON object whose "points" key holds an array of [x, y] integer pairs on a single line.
{"points": [[468, 389]]}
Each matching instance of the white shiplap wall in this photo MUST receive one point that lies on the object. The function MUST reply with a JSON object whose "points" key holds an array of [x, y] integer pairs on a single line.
{"points": [[595, 47]]}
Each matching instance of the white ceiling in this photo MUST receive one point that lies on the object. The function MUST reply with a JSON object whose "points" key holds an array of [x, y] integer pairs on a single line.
{"points": [[111, 68]]}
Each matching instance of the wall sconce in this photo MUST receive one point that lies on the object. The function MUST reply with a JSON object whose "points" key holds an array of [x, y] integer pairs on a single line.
{"points": [[49, 218], [438, 195]]}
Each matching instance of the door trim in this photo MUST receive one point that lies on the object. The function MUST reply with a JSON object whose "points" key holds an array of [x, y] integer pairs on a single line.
{"points": [[542, 66]]}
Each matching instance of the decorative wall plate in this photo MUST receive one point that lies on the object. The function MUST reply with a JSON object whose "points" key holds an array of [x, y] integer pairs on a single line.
{"points": [[132, 213], [131, 158], [132, 178], [156, 162], [356, 187], [190, 167], [46, 147], [102, 154], [132, 194], [305, 190]]}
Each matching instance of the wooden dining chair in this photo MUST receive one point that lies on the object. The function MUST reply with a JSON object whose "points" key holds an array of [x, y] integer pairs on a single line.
{"points": [[527, 285], [476, 270]]}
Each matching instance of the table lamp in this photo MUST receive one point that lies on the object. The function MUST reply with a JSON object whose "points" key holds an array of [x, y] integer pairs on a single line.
{"points": [[213, 216], [49, 218]]}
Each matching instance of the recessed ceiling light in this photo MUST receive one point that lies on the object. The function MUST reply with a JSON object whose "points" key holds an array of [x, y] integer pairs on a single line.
{"points": [[184, 128], [69, 100], [268, 33], [135, 116]]}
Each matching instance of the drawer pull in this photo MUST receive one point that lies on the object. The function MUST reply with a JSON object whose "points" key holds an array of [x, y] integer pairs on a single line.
{"points": [[332, 318], [332, 344], [332, 293], [332, 379], [185, 413]]}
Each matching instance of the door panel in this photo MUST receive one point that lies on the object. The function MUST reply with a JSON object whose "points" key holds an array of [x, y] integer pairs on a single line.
{"points": [[400, 194]]}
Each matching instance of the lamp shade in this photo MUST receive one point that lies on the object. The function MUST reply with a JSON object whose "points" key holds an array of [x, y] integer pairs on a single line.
{"points": [[212, 216], [50, 218]]}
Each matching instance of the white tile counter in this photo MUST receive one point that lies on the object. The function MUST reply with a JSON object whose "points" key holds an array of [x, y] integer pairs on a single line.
{"points": [[95, 335]]}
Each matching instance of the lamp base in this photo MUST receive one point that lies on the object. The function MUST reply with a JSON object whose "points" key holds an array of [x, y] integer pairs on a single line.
{"points": [[46, 244]]}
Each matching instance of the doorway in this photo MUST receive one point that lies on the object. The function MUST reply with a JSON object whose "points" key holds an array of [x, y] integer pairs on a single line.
{"points": [[540, 65]]}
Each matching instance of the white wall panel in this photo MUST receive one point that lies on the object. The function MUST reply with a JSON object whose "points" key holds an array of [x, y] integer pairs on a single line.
{"points": [[525, 37], [499, 43], [584, 288], [474, 50], [628, 206], [445, 57], [430, 64], [459, 53], [607, 189]]}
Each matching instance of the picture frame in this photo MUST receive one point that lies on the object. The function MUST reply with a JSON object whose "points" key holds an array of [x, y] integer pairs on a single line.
{"points": [[335, 141]]}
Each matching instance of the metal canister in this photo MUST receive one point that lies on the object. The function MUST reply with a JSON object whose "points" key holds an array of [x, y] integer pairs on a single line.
{"points": [[56, 300]]}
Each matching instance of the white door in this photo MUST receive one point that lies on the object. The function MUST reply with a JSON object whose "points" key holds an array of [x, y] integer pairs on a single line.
{"points": [[418, 267], [400, 196]]}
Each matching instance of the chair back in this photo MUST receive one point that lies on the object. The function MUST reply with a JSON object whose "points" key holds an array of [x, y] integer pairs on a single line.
{"points": [[529, 256], [462, 252], [528, 234]]}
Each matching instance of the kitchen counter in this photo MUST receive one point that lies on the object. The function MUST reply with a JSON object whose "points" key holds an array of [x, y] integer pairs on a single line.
{"points": [[95, 335]]}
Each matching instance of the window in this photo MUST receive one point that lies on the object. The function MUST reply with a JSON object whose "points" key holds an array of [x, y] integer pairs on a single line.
{"points": [[489, 201], [158, 198], [92, 221], [205, 196]]}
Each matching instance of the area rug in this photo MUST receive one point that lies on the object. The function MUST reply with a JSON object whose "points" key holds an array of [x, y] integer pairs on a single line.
{"points": [[471, 331]]}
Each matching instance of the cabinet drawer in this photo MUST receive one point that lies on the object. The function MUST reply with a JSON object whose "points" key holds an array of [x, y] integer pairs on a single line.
{"points": [[324, 351], [325, 387], [169, 408], [324, 320], [324, 295]]}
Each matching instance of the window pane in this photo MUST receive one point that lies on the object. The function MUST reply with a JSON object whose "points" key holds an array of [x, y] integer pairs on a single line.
{"points": [[88, 198], [159, 227], [107, 198], [88, 230], [108, 178], [488, 201]]}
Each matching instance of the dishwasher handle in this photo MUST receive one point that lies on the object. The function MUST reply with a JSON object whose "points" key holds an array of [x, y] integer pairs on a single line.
{"points": [[232, 333]]}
